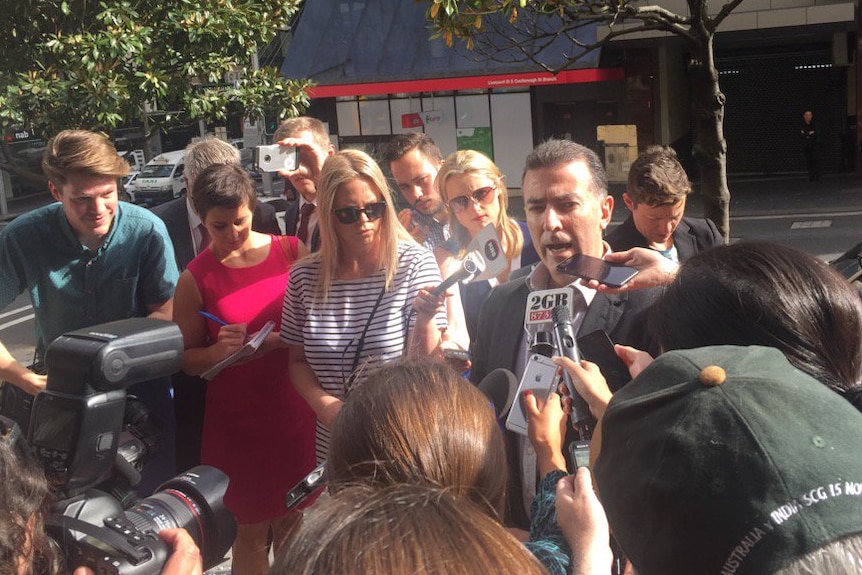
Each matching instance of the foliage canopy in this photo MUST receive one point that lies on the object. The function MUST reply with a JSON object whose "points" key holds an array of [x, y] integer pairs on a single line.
{"points": [[93, 64]]}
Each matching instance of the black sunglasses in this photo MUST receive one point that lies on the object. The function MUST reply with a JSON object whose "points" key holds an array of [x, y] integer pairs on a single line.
{"points": [[479, 196], [350, 215]]}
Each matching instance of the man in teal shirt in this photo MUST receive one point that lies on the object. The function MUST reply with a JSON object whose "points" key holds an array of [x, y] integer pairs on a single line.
{"points": [[87, 259]]}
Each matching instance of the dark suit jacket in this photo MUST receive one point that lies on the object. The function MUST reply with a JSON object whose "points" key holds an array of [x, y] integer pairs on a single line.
{"points": [[501, 327], [691, 236], [291, 224], [176, 217]]}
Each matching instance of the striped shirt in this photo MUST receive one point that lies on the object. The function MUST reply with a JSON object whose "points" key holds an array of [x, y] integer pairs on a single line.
{"points": [[330, 331]]}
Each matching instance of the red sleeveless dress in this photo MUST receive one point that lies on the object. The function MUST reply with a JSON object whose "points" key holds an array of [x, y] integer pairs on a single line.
{"points": [[257, 429]]}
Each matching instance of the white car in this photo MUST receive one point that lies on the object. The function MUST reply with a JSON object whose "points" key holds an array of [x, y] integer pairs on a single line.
{"points": [[129, 185]]}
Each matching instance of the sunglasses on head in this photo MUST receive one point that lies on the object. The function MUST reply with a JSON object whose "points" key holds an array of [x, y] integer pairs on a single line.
{"points": [[480, 196], [350, 214]]}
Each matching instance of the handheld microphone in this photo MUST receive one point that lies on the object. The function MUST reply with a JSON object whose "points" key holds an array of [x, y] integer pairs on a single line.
{"points": [[501, 387], [468, 269], [564, 335]]}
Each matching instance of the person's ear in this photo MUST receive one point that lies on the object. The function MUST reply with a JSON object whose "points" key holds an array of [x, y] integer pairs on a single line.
{"points": [[627, 199], [55, 192]]}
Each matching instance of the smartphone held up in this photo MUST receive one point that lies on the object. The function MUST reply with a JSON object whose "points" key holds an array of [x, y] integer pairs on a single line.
{"points": [[590, 268], [276, 158]]}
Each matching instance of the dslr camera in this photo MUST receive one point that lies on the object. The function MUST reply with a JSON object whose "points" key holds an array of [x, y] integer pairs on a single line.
{"points": [[74, 430]]}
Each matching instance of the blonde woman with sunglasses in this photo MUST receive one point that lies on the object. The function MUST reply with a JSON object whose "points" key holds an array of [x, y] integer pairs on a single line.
{"points": [[364, 298], [475, 191]]}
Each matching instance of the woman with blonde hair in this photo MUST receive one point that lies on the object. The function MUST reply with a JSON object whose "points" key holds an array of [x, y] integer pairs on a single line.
{"points": [[475, 191], [364, 298]]}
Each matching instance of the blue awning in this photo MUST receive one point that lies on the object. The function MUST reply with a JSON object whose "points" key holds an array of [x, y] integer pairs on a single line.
{"points": [[364, 41]]}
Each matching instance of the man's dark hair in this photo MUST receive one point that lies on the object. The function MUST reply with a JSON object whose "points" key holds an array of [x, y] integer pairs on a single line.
{"points": [[554, 153], [403, 143], [656, 178]]}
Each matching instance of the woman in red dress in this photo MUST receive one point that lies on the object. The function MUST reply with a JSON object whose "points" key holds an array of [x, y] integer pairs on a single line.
{"points": [[256, 427]]}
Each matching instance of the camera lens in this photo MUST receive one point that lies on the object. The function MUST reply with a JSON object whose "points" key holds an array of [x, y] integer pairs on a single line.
{"points": [[193, 500]]}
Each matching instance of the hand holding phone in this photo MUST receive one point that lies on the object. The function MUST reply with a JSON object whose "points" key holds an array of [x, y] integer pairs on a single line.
{"points": [[590, 268], [276, 158]]}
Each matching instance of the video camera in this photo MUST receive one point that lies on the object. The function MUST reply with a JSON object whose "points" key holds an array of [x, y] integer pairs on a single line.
{"points": [[75, 427]]}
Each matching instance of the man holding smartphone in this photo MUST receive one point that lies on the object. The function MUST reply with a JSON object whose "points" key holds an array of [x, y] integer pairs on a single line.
{"points": [[568, 208], [414, 160], [655, 194], [311, 137]]}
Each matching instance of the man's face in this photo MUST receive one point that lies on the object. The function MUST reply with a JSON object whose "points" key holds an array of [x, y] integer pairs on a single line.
{"points": [[414, 173], [807, 116], [656, 223], [311, 157], [564, 216], [89, 203]]}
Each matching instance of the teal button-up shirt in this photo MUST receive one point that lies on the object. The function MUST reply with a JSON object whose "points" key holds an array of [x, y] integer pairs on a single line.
{"points": [[73, 287]]}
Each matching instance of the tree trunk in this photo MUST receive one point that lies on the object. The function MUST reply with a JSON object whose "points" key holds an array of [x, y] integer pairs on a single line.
{"points": [[710, 147]]}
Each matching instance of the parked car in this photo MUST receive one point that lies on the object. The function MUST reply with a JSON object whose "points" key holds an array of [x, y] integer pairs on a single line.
{"points": [[161, 179], [129, 185]]}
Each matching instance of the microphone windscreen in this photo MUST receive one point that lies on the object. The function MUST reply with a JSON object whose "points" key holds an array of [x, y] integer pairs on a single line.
{"points": [[500, 386]]}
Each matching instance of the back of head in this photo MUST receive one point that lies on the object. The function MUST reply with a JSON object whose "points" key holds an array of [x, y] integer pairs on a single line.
{"points": [[404, 143], [24, 501], [292, 127], [204, 153], [554, 153], [223, 186], [81, 152], [656, 178], [728, 460], [757, 293], [419, 422], [401, 530]]}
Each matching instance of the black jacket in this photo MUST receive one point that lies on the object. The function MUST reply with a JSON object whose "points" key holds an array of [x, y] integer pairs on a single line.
{"points": [[691, 236]]}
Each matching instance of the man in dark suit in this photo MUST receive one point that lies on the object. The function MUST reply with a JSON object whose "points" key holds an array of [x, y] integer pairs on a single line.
{"points": [[311, 137], [567, 208], [655, 194], [179, 214], [189, 238]]}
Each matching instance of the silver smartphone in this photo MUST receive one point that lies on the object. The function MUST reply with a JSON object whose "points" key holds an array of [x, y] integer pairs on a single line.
{"points": [[276, 158], [540, 377]]}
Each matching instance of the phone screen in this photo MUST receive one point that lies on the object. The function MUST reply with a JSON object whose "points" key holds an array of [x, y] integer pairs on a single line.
{"points": [[598, 348], [591, 268]]}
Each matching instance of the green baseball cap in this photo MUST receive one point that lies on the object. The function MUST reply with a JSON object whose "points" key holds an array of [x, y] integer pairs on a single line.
{"points": [[728, 460]]}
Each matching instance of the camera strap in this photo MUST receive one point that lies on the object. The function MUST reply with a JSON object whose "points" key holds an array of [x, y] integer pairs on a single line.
{"points": [[112, 538]]}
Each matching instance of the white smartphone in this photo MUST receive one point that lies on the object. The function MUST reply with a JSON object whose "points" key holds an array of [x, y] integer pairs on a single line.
{"points": [[276, 158], [540, 377]]}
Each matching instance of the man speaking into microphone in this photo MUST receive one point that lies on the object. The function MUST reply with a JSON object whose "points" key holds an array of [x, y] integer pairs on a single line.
{"points": [[568, 208]]}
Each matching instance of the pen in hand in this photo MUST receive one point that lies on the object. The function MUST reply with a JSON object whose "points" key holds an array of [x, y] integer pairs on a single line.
{"points": [[212, 317], [218, 320]]}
